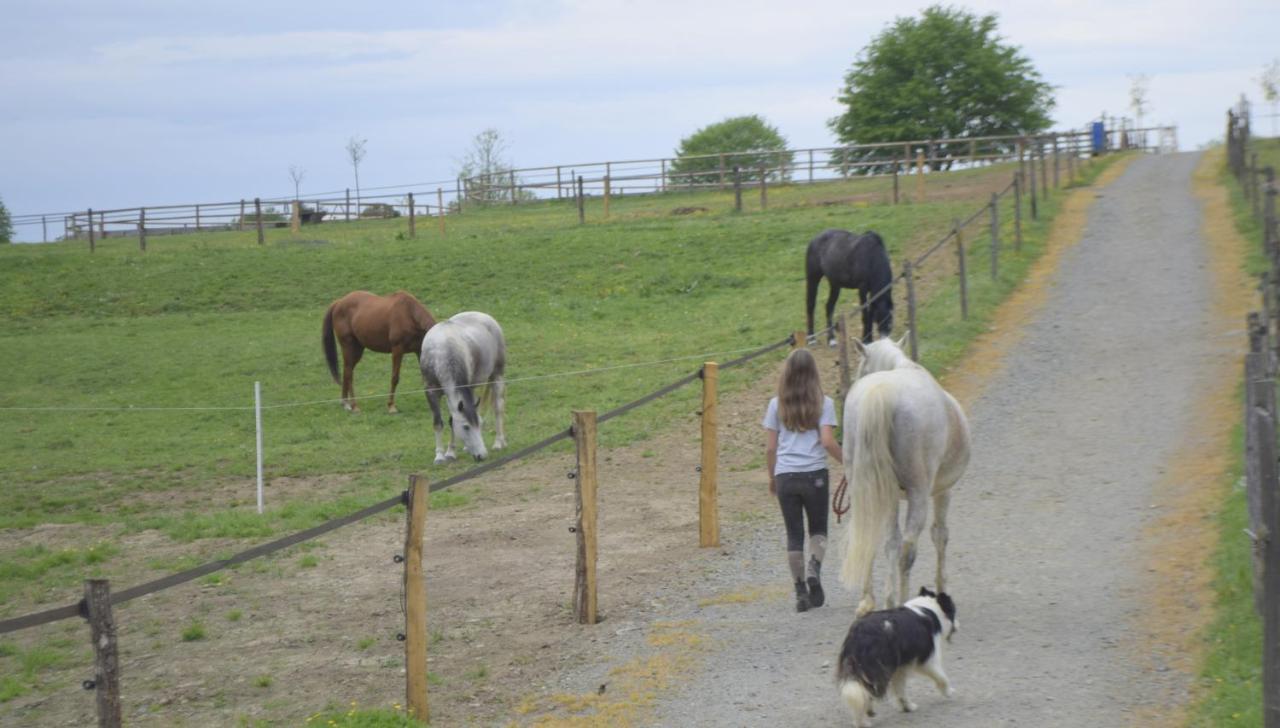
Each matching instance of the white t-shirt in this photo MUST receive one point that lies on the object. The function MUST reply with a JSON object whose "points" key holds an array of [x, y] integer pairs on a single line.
{"points": [[799, 452]]}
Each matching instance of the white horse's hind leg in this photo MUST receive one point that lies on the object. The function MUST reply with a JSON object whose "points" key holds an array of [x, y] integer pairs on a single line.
{"points": [[892, 546], [499, 392], [917, 515], [940, 534]]}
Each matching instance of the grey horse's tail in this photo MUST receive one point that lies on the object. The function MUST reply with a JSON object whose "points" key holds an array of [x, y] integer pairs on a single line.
{"points": [[329, 345], [873, 481]]}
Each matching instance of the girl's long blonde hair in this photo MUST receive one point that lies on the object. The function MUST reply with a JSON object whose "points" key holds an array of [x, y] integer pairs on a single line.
{"points": [[800, 392]]}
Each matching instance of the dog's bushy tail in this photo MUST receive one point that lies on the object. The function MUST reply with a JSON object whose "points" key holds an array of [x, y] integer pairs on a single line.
{"points": [[873, 481], [857, 697]]}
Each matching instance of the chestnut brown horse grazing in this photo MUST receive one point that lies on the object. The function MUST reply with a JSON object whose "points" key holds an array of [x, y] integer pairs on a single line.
{"points": [[361, 320]]}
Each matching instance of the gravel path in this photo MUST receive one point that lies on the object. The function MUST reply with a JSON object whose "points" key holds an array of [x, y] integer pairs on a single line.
{"points": [[1070, 439]]}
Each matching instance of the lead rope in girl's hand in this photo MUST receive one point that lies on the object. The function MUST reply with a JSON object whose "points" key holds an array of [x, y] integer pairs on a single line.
{"points": [[840, 501]]}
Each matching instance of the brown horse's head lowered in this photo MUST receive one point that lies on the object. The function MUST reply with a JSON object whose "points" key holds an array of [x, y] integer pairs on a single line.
{"points": [[361, 320]]}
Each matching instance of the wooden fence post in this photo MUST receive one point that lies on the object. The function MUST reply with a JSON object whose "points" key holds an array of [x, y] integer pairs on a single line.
{"points": [[348, 206], [764, 190], [708, 513], [1251, 185], [106, 653], [1031, 165], [919, 176], [1071, 162], [584, 586], [995, 236], [722, 170], [457, 193], [440, 209], [964, 282], [582, 211], [895, 180], [44, 229], [798, 339], [1044, 169], [512, 187], [295, 218], [559, 184], [909, 276], [737, 189], [1017, 211], [846, 377], [240, 222], [415, 601], [1055, 162], [257, 209], [811, 165], [607, 190], [142, 229], [413, 228], [91, 241]]}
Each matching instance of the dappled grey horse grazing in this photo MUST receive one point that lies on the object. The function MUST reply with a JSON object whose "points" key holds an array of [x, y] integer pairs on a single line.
{"points": [[904, 437], [463, 359], [850, 261]]}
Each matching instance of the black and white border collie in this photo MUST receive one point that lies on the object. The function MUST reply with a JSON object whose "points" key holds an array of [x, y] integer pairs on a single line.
{"points": [[883, 647]]}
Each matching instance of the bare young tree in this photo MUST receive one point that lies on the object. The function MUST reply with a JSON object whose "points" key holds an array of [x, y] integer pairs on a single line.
{"points": [[484, 168], [1270, 81], [355, 150], [296, 174], [1138, 87]]}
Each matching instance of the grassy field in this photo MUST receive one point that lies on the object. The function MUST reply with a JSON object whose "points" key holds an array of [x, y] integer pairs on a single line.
{"points": [[1232, 675], [194, 322]]}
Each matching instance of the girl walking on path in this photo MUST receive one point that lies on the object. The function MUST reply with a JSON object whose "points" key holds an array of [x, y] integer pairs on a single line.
{"points": [[800, 433]]}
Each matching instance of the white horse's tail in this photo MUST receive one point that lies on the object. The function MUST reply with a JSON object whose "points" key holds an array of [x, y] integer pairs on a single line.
{"points": [[873, 487]]}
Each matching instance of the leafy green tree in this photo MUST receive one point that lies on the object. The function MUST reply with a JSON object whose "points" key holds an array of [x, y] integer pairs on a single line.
{"points": [[943, 76], [6, 224], [748, 142]]}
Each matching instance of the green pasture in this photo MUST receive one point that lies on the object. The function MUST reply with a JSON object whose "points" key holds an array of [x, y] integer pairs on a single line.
{"points": [[98, 339]]}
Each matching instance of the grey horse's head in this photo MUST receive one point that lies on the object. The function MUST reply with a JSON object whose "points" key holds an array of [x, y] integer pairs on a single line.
{"points": [[464, 416], [880, 355]]}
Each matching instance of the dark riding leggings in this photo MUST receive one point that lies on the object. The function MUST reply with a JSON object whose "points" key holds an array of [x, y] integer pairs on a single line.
{"points": [[802, 494]]}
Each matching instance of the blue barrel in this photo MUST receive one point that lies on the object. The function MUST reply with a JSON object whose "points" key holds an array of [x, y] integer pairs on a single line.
{"points": [[1099, 137]]}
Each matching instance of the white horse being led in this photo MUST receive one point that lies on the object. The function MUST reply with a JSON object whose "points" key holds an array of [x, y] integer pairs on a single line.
{"points": [[463, 358], [904, 437]]}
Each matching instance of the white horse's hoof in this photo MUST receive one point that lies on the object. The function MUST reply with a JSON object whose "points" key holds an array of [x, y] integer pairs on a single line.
{"points": [[450, 456], [439, 459], [866, 606], [391, 410], [831, 343], [908, 706], [498, 444], [949, 692]]}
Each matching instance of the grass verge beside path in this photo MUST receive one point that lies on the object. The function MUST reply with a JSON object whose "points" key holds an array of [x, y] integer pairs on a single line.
{"points": [[1231, 679]]}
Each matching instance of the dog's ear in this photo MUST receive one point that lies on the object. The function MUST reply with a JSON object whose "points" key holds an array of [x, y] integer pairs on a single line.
{"points": [[924, 592], [948, 605]]}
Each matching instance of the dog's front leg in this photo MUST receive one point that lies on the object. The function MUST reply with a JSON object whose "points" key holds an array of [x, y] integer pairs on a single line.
{"points": [[933, 668]]}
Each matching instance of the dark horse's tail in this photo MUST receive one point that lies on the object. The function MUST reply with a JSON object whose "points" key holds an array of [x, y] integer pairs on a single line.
{"points": [[330, 347]]}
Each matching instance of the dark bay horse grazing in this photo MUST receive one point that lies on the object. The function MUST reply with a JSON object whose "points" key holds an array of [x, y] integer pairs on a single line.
{"points": [[847, 261], [464, 358], [361, 320]]}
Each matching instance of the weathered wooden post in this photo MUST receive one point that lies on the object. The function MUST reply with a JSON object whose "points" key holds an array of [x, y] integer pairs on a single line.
{"points": [[919, 176], [995, 235], [1017, 211], [106, 653], [964, 280], [1031, 164], [240, 222], [1044, 168], [582, 211], [811, 165], [413, 213], [511, 186], [347, 215], [415, 601], [440, 209], [257, 211], [559, 184], [764, 189], [895, 180], [457, 193], [142, 229], [295, 218], [197, 218], [584, 586], [846, 378], [708, 513], [737, 189], [722, 170], [1055, 162], [908, 275], [607, 189], [44, 229]]}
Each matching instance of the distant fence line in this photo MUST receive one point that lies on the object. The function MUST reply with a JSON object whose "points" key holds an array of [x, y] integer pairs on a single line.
{"points": [[591, 179], [95, 608]]}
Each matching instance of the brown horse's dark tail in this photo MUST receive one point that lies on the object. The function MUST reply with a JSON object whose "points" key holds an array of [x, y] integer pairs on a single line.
{"points": [[330, 346]]}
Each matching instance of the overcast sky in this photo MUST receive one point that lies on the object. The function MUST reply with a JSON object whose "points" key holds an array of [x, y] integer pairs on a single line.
{"points": [[112, 104]]}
